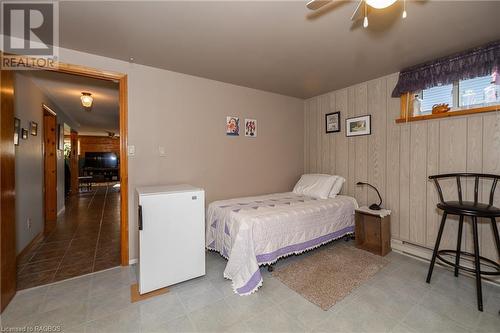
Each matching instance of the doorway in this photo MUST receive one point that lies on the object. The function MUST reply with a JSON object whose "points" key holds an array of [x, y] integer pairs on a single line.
{"points": [[8, 194]]}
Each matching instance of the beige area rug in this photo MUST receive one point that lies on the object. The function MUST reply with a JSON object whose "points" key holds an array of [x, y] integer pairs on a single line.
{"points": [[330, 274]]}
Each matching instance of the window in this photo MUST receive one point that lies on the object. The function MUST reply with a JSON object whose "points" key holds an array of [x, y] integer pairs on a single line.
{"points": [[436, 95], [476, 92]]}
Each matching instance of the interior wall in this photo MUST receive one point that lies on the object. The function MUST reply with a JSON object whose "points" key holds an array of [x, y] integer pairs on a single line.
{"points": [[186, 116], [398, 158], [29, 162]]}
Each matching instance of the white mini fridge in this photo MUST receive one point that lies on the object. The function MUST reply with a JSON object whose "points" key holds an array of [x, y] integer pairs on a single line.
{"points": [[171, 235]]}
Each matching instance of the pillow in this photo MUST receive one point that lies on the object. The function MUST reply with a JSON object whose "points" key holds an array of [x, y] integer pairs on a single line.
{"points": [[314, 185], [337, 186]]}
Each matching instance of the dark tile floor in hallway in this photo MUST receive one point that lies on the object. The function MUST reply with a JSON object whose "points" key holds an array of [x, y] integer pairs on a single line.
{"points": [[86, 239]]}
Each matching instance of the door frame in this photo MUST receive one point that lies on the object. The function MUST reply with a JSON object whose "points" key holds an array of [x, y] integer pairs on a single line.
{"points": [[7, 160], [49, 224]]}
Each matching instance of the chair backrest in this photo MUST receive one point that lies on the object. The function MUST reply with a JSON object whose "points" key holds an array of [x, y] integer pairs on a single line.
{"points": [[458, 176]]}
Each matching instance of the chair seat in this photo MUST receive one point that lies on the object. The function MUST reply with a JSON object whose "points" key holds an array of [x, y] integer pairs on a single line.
{"points": [[469, 208]]}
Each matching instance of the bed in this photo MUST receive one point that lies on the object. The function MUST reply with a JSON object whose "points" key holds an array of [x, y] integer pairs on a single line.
{"points": [[254, 231]]}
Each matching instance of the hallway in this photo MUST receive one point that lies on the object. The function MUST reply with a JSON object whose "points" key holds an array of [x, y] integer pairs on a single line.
{"points": [[85, 240]]}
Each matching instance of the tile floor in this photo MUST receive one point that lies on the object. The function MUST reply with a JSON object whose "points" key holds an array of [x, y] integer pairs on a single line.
{"points": [[397, 299], [86, 239]]}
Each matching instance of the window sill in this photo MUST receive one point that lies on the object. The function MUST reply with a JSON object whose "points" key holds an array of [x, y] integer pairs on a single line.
{"points": [[450, 114]]}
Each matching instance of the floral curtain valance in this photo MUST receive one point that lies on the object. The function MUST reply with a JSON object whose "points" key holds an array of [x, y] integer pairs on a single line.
{"points": [[480, 61]]}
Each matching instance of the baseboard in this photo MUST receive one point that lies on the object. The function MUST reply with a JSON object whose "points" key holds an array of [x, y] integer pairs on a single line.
{"points": [[30, 245], [425, 254], [133, 261], [61, 211]]}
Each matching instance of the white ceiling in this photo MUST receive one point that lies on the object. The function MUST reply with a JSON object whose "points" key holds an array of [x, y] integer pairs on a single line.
{"points": [[65, 91], [276, 45]]}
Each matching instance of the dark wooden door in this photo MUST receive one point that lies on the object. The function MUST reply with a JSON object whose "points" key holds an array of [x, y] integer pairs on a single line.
{"points": [[50, 170], [7, 191], [74, 162]]}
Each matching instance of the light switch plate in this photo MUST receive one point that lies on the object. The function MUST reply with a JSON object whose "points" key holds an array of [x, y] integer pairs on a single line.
{"points": [[131, 150], [162, 151]]}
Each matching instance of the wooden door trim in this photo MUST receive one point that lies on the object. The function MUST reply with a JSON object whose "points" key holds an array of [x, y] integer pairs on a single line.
{"points": [[49, 223], [7, 190]]}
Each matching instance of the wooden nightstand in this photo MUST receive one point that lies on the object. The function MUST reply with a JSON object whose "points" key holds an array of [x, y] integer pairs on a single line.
{"points": [[373, 230]]}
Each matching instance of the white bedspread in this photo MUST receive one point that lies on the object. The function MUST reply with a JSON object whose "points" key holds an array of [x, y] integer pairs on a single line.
{"points": [[259, 230]]}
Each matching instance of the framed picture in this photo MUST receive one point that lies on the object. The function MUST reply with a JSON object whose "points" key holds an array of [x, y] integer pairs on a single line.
{"points": [[251, 128], [232, 126], [24, 134], [33, 128], [17, 130], [358, 126], [332, 121]]}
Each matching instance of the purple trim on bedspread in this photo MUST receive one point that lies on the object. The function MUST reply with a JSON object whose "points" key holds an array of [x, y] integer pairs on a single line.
{"points": [[267, 257], [251, 284]]}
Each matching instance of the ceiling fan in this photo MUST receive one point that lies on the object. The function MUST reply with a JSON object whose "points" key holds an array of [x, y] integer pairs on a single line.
{"points": [[362, 4]]}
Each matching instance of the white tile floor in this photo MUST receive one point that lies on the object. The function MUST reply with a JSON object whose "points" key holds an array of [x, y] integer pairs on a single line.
{"points": [[397, 299]]}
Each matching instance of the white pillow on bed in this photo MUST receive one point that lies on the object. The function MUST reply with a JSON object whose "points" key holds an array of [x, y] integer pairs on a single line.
{"points": [[337, 186], [314, 185]]}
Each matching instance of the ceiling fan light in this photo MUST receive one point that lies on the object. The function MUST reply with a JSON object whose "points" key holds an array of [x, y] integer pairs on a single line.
{"points": [[404, 14], [365, 22], [86, 99], [380, 4]]}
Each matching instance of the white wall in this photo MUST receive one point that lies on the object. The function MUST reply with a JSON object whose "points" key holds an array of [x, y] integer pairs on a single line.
{"points": [[186, 115], [29, 161]]}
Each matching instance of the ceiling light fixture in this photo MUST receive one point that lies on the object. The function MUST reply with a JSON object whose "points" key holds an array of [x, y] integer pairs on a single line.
{"points": [[365, 20], [380, 4], [404, 9], [86, 99]]}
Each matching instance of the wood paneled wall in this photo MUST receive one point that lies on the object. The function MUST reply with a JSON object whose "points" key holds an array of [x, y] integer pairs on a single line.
{"points": [[99, 144], [398, 158]]}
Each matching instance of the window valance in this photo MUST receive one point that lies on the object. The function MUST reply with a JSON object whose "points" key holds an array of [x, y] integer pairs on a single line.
{"points": [[480, 61]]}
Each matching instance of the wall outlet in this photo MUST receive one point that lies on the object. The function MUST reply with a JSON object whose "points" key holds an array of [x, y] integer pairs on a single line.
{"points": [[28, 223], [162, 151]]}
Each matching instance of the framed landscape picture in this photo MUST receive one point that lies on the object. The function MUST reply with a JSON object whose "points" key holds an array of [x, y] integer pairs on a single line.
{"points": [[358, 126], [332, 121]]}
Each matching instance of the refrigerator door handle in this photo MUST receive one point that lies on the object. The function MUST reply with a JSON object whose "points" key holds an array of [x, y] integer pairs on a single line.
{"points": [[140, 217]]}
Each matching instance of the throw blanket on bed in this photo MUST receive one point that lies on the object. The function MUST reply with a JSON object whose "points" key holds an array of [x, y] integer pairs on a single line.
{"points": [[259, 230]]}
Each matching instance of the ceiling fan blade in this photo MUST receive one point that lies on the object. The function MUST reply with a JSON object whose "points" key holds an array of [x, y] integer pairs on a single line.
{"points": [[358, 13], [316, 4]]}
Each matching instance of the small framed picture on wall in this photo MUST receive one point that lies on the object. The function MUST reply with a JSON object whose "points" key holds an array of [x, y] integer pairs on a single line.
{"points": [[359, 126], [33, 128], [332, 122], [24, 134], [251, 128], [232, 126]]}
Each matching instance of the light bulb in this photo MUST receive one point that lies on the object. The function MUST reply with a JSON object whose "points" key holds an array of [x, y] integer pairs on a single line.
{"points": [[86, 99], [365, 22], [379, 4], [404, 14]]}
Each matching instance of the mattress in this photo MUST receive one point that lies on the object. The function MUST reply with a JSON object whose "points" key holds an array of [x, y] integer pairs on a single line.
{"points": [[255, 231]]}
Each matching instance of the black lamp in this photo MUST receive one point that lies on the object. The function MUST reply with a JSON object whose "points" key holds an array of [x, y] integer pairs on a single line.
{"points": [[373, 206]]}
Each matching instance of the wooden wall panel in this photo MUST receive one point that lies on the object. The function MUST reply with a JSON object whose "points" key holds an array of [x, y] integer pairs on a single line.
{"points": [[341, 148], [361, 145], [474, 164], [377, 107], [398, 158], [404, 183], [99, 144], [491, 164], [452, 158], [418, 181], [432, 216], [392, 151]]}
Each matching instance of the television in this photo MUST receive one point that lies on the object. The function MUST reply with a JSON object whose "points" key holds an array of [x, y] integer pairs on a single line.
{"points": [[101, 160]]}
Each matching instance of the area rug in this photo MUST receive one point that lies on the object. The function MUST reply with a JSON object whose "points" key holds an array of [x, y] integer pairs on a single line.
{"points": [[330, 274]]}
